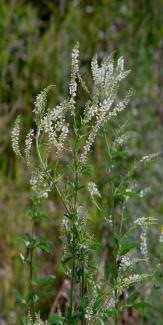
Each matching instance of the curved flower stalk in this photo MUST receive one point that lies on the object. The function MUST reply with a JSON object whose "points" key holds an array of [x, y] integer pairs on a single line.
{"points": [[67, 135]]}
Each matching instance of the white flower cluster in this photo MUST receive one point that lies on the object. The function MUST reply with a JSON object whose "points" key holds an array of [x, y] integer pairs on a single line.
{"points": [[15, 137], [144, 191], [125, 263], [101, 109], [161, 235], [52, 122], [89, 309], [40, 185], [144, 221], [149, 158], [93, 190], [121, 139], [81, 210], [132, 279], [54, 125], [74, 73], [37, 321], [143, 243], [28, 144], [41, 101]]}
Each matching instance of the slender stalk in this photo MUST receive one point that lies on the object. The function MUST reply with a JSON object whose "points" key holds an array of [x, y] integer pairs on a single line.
{"points": [[31, 274], [82, 288], [112, 204], [44, 168], [74, 219], [72, 289]]}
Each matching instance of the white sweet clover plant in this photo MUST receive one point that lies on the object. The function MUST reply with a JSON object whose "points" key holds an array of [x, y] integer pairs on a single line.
{"points": [[56, 153]]}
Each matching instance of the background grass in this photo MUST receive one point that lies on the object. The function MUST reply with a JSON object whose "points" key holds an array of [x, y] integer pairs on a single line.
{"points": [[36, 39]]}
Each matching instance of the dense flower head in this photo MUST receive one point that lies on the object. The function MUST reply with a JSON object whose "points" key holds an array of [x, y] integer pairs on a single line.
{"points": [[28, 145], [103, 105], [37, 321], [41, 101], [93, 190], [15, 137], [143, 243], [40, 183], [74, 73]]}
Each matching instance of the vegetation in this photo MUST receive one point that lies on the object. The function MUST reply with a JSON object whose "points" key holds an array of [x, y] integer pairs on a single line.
{"points": [[74, 252]]}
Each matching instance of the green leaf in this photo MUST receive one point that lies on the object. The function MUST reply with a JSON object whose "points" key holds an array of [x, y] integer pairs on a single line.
{"points": [[18, 296], [55, 319], [126, 247], [83, 304], [41, 214], [106, 270], [45, 291], [66, 259], [45, 280], [94, 246], [142, 304], [43, 244], [27, 240], [132, 297]]}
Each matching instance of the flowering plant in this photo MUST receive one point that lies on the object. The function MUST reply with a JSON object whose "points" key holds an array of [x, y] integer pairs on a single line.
{"points": [[61, 142]]}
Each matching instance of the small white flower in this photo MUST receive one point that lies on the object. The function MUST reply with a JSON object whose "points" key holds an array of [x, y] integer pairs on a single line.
{"points": [[161, 235], [37, 321], [93, 190], [145, 221], [40, 103], [143, 243], [40, 185], [149, 158], [15, 137], [28, 144], [74, 72]]}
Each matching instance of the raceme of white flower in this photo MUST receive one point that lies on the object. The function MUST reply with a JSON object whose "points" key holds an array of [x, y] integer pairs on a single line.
{"points": [[37, 321], [125, 263], [28, 145], [145, 191], [89, 309], [54, 122], [122, 139], [149, 158], [143, 243], [54, 125], [145, 221], [132, 279], [40, 183], [102, 117], [74, 73], [93, 190], [41, 101], [15, 137]]}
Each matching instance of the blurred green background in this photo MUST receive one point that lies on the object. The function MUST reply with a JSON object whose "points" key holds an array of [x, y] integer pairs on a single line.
{"points": [[36, 40]]}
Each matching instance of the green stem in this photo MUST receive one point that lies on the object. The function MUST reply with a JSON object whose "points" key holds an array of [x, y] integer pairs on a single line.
{"points": [[82, 289], [74, 244], [72, 289], [31, 275], [113, 212], [44, 168]]}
